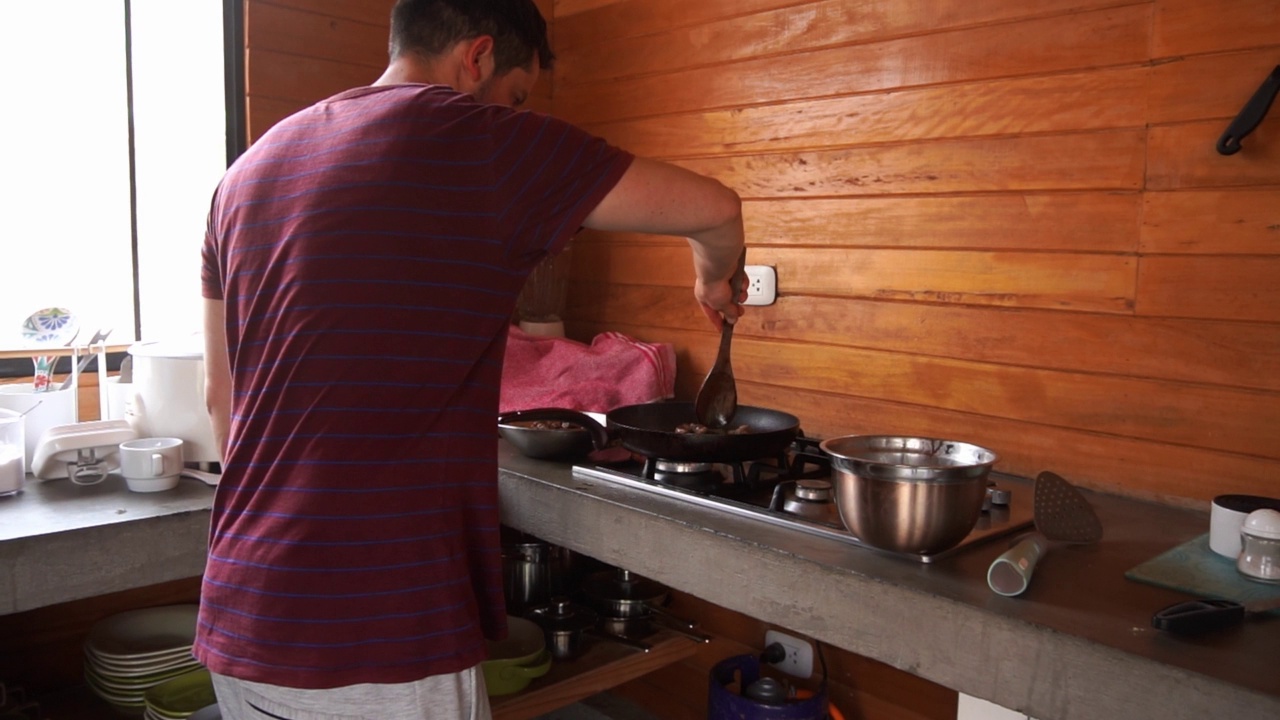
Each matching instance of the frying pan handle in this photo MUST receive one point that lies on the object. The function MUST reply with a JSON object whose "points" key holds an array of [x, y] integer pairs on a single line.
{"points": [[1251, 115], [599, 434]]}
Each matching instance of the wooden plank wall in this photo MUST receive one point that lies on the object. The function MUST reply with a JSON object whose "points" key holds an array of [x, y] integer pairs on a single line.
{"points": [[300, 51], [992, 220]]}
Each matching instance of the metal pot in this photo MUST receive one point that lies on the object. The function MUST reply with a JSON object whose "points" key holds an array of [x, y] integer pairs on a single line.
{"points": [[908, 494], [526, 570], [563, 625], [629, 606]]}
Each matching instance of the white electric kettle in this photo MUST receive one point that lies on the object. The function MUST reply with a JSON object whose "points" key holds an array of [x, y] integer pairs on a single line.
{"points": [[167, 398]]}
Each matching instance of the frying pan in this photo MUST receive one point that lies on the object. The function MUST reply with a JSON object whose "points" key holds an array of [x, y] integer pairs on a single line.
{"points": [[650, 430]]}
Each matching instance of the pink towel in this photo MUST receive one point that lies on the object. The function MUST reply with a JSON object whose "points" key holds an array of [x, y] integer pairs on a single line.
{"points": [[614, 370]]}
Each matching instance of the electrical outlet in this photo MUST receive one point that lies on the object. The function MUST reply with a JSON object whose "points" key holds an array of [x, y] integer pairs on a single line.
{"points": [[762, 285], [799, 659]]}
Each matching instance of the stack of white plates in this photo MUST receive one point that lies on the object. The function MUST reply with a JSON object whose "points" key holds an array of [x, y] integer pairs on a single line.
{"points": [[127, 654]]}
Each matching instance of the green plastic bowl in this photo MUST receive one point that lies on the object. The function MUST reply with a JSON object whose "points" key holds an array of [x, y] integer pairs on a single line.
{"points": [[514, 663]]}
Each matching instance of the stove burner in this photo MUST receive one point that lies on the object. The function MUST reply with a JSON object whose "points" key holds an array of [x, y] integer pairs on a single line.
{"points": [[814, 490], [683, 468], [793, 490]]}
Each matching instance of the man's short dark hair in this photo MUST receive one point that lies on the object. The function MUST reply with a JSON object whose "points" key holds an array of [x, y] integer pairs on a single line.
{"points": [[430, 27]]}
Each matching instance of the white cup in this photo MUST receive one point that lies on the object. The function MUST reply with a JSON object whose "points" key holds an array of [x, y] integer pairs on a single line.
{"points": [[1226, 517], [151, 464], [13, 469]]}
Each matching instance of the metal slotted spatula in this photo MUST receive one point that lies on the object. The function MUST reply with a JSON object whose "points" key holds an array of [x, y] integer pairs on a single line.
{"points": [[1061, 515], [717, 399]]}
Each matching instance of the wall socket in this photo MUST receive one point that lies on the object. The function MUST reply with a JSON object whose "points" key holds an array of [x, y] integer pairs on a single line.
{"points": [[799, 659], [762, 285]]}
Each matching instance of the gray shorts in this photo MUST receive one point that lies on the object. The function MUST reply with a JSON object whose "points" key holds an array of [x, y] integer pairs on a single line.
{"points": [[460, 696]]}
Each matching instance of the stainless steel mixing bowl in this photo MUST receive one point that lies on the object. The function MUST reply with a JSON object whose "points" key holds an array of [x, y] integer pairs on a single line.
{"points": [[908, 494]]}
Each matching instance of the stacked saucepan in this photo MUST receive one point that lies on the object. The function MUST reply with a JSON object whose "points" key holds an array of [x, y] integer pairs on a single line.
{"points": [[621, 607]]}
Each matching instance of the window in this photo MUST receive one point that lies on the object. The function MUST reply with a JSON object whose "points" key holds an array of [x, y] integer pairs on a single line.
{"points": [[117, 133]]}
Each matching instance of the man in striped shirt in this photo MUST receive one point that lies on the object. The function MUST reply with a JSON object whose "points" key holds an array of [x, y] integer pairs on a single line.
{"points": [[360, 269]]}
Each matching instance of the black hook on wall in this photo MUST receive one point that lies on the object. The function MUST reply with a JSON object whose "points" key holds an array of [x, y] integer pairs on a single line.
{"points": [[1251, 116]]}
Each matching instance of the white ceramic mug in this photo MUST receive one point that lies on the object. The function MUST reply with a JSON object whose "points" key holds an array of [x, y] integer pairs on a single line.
{"points": [[151, 464], [1226, 517]]}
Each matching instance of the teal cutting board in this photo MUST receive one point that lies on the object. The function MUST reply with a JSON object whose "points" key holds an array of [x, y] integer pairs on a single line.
{"points": [[1192, 567]]}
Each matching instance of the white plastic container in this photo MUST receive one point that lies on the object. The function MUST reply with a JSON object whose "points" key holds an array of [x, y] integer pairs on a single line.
{"points": [[44, 410], [13, 465], [168, 395]]}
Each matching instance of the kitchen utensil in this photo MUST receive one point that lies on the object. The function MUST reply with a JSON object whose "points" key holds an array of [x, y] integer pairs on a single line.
{"points": [[908, 494], [98, 336], [526, 570], [650, 430], [718, 397], [85, 452], [1260, 546], [1062, 515], [1199, 616], [13, 467], [564, 624], [1226, 517], [541, 443], [1251, 115], [48, 327], [168, 395], [629, 604], [514, 663]]}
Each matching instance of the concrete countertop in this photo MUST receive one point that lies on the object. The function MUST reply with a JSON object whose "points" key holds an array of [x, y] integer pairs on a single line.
{"points": [[62, 542], [1077, 646]]}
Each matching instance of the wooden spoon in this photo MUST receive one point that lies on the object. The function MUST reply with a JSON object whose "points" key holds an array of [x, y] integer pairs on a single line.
{"points": [[718, 397]]}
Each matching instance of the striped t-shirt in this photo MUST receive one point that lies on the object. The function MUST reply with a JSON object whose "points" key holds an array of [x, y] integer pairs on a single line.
{"points": [[369, 251]]}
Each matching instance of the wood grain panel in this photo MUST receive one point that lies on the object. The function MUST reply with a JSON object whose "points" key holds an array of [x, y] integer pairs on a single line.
{"points": [[1207, 86], [1184, 27], [1172, 473], [1111, 160], [1086, 40], [1237, 355], [301, 79], [1083, 222], [826, 23], [1240, 221], [1077, 101], [1242, 421], [1104, 283], [1186, 156], [372, 12], [1229, 288], [308, 34], [264, 112]]}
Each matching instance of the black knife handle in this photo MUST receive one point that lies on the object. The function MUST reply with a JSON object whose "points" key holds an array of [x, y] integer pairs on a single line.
{"points": [[1251, 115], [1198, 616]]}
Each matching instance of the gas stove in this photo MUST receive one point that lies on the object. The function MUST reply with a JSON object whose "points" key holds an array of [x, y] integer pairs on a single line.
{"points": [[794, 491]]}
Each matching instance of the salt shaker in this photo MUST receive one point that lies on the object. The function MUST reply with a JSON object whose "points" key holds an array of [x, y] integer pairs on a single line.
{"points": [[1260, 546]]}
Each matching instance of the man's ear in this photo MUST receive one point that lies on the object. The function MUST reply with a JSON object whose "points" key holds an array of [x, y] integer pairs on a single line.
{"points": [[477, 59]]}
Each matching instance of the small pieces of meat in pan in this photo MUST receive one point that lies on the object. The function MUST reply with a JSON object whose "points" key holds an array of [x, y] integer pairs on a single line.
{"points": [[549, 425], [699, 429]]}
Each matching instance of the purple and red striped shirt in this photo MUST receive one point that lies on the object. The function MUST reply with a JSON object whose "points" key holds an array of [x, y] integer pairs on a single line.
{"points": [[369, 251]]}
